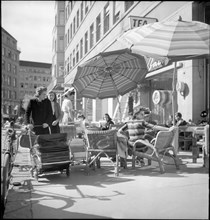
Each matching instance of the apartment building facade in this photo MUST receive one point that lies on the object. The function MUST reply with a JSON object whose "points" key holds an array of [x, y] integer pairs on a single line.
{"points": [[10, 74], [32, 75], [92, 27]]}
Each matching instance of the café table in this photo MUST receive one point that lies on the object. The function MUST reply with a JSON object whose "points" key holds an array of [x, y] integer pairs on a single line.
{"points": [[195, 132]]}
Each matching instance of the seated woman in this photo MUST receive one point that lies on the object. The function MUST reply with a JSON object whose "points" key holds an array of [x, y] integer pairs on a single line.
{"points": [[136, 129], [108, 124]]}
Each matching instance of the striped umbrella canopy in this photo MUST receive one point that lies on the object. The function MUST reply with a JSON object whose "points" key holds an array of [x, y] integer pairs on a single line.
{"points": [[110, 74], [174, 40]]}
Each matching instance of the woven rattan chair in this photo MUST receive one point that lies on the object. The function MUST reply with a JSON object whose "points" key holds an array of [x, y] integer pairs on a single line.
{"points": [[101, 143], [159, 148]]}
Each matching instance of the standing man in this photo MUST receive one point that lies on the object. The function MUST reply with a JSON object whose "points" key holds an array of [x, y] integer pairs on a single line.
{"points": [[38, 115], [67, 107]]}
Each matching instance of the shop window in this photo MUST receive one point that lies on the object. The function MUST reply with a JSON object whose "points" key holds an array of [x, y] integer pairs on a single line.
{"points": [[128, 4], [86, 42], [81, 48], [91, 35], [106, 18], [98, 27]]}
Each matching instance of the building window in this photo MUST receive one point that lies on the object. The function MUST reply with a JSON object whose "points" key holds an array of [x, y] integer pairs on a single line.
{"points": [[14, 69], [74, 25], [3, 64], [61, 18], [81, 11], [8, 67], [98, 27], [71, 31], [86, 42], [116, 11], [81, 48], [14, 82], [78, 18], [70, 61], [9, 81], [68, 66], [73, 58], [3, 51], [86, 7], [35, 78], [91, 35], [106, 18], [128, 4], [77, 53], [61, 43], [68, 37]]}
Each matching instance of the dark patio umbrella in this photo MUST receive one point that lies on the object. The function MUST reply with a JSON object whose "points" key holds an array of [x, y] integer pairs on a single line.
{"points": [[110, 74]]}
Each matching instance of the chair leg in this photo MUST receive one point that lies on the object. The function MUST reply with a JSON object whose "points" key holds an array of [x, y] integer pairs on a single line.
{"points": [[123, 162], [117, 166], [175, 159], [133, 156]]}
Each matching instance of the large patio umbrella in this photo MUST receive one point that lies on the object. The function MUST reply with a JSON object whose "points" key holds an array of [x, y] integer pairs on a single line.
{"points": [[110, 74], [175, 40]]}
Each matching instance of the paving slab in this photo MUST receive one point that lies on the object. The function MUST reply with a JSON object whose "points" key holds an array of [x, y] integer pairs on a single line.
{"points": [[141, 193]]}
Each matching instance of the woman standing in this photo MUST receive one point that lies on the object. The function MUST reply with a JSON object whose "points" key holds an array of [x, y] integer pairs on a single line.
{"points": [[38, 115], [67, 107], [56, 110]]}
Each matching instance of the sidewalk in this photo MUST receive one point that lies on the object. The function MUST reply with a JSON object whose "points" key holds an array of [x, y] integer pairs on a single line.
{"points": [[142, 193]]}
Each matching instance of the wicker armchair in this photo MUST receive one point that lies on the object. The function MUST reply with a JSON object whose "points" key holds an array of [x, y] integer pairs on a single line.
{"points": [[159, 148], [101, 143]]}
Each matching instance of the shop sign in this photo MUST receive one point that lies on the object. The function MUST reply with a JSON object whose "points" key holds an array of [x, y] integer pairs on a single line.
{"points": [[136, 21], [154, 64]]}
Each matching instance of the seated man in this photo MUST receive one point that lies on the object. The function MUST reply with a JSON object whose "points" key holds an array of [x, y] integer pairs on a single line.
{"points": [[179, 120], [136, 129]]}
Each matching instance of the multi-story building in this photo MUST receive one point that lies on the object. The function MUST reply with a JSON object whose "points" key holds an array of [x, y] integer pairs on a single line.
{"points": [[10, 74], [33, 75], [58, 50], [94, 26]]}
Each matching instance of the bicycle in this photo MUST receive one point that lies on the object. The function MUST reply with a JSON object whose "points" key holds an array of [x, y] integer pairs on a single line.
{"points": [[8, 161]]}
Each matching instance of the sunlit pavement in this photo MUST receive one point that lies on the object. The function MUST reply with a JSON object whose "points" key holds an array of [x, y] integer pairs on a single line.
{"points": [[141, 193]]}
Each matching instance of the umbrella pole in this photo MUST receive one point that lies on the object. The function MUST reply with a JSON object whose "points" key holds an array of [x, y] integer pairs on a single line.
{"points": [[173, 92], [119, 108]]}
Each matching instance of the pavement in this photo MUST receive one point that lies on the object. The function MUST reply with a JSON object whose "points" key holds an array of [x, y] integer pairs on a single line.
{"points": [[141, 193]]}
